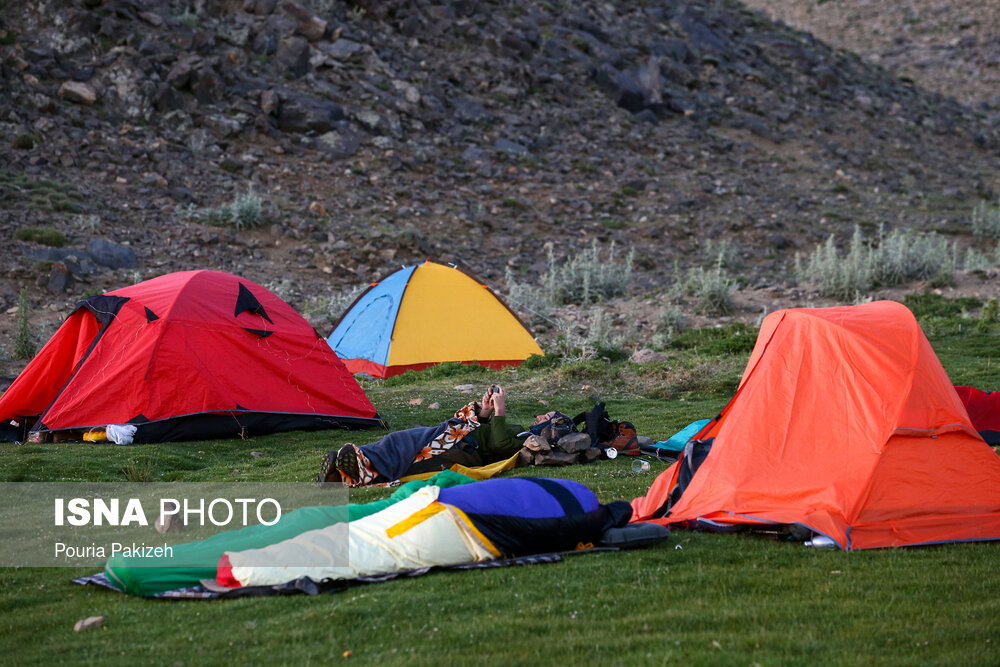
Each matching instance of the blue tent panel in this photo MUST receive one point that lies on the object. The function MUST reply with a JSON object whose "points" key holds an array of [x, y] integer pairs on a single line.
{"points": [[366, 330], [676, 442]]}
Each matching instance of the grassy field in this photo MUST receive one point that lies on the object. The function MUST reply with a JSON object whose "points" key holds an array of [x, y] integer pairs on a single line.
{"points": [[700, 598]]}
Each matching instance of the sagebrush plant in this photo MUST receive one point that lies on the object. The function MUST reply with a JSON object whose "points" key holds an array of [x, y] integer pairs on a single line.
{"points": [[894, 258], [712, 289], [986, 222], [988, 316], [585, 278], [337, 304], [719, 253], [24, 345], [246, 211], [977, 260], [530, 301], [596, 339]]}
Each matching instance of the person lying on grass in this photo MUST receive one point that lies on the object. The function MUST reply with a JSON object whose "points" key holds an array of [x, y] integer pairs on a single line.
{"points": [[477, 435]]}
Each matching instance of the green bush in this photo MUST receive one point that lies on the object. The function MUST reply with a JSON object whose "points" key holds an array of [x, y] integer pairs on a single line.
{"points": [[246, 211], [988, 316], [585, 277], [25, 141], [44, 235], [712, 288], [538, 361], [24, 346], [986, 222], [895, 258]]}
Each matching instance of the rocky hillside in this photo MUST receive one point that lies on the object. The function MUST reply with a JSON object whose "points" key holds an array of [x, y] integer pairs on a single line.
{"points": [[381, 133]]}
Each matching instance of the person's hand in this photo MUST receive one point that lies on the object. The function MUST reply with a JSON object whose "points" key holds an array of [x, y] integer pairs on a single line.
{"points": [[486, 407], [499, 399]]}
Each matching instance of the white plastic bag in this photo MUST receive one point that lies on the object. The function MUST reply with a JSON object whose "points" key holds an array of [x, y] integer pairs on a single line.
{"points": [[121, 434]]}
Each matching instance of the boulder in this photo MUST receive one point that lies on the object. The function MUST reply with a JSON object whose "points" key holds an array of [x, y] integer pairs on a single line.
{"points": [[112, 255], [301, 113]]}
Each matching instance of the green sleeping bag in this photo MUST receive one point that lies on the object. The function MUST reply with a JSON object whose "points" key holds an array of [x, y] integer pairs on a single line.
{"points": [[194, 561]]}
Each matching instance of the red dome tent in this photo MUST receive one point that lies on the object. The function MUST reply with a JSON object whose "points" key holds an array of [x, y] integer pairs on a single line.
{"points": [[845, 423], [190, 355]]}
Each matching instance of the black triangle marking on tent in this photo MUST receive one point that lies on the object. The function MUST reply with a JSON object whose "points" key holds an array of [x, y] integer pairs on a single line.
{"points": [[104, 307], [139, 419], [263, 333], [151, 316], [240, 407], [246, 302]]}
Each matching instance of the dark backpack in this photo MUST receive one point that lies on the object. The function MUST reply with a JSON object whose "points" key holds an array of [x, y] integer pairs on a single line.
{"points": [[607, 432], [555, 427]]}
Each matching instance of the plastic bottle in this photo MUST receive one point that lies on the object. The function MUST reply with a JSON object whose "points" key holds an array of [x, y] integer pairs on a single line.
{"points": [[821, 542]]}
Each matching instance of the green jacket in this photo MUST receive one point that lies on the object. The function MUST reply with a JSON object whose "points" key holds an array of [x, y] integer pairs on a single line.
{"points": [[497, 440]]}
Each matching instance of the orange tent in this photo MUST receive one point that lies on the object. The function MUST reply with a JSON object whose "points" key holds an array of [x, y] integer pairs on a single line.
{"points": [[846, 423]]}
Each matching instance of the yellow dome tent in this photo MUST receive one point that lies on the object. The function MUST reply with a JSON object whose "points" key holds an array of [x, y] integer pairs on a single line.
{"points": [[428, 314]]}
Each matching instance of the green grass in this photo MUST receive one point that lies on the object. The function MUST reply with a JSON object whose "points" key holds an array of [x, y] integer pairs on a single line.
{"points": [[698, 599], [43, 235], [40, 193]]}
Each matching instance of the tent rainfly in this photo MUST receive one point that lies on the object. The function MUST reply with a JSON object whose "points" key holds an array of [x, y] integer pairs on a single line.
{"points": [[424, 315], [845, 423], [189, 355]]}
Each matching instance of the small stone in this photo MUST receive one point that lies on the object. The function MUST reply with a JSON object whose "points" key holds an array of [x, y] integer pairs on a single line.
{"points": [[269, 101], [537, 443], [257, 454], [646, 356], [464, 387], [88, 623], [416, 401], [434, 406], [318, 209], [77, 91]]}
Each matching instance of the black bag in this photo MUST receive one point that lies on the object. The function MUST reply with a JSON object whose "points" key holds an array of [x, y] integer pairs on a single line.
{"points": [[597, 424], [554, 427]]}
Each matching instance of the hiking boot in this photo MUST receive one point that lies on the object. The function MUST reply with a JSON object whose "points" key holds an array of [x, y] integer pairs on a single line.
{"points": [[626, 440], [348, 465], [327, 468]]}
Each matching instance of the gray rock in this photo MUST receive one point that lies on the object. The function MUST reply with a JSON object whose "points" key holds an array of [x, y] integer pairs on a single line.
{"points": [[60, 278], [555, 458], [537, 443], [623, 88], [574, 442], [77, 91], [260, 7], [237, 34], [475, 156], [293, 55], [300, 113], [112, 255], [222, 126], [510, 147], [340, 143], [472, 112], [344, 49]]}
